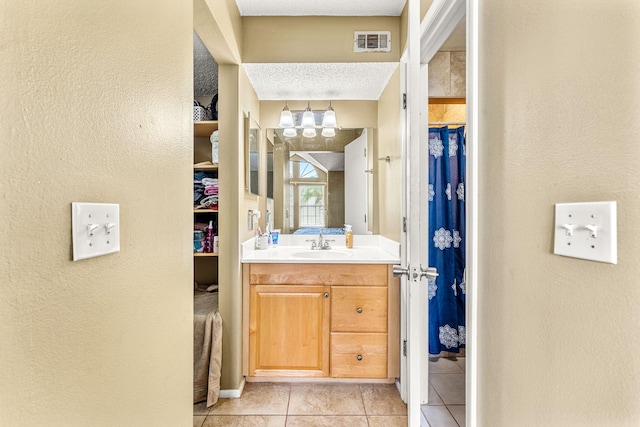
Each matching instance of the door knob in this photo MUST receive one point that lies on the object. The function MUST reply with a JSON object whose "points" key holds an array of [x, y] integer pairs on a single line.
{"points": [[399, 271], [430, 273]]}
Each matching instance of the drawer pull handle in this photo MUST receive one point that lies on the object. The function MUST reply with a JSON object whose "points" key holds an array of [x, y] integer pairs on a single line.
{"points": [[359, 357], [359, 310], [326, 294]]}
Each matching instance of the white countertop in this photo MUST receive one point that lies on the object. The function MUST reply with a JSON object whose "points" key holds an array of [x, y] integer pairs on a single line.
{"points": [[367, 249]]}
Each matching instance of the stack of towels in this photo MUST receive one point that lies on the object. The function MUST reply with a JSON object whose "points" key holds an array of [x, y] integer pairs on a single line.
{"points": [[205, 191]]}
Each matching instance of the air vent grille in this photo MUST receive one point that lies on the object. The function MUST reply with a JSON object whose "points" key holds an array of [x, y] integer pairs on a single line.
{"points": [[372, 41]]}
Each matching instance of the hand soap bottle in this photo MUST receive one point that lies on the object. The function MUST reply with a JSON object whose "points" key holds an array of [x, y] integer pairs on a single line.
{"points": [[348, 234]]}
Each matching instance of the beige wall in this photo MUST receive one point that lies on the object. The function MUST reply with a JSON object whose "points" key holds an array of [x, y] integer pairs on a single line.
{"points": [[314, 38], [97, 108], [350, 114], [237, 98], [387, 179], [559, 103], [335, 196]]}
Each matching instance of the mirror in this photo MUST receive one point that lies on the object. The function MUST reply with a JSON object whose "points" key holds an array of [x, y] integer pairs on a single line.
{"points": [[269, 169], [322, 182], [252, 155]]}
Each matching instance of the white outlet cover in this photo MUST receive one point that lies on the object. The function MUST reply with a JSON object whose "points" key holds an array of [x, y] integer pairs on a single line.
{"points": [[105, 238], [580, 243]]}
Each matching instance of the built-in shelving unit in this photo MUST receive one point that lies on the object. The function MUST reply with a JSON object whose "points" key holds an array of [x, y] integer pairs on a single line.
{"points": [[205, 264], [204, 129]]}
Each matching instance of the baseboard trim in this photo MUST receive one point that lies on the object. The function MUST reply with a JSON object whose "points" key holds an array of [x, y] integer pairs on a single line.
{"points": [[233, 393]]}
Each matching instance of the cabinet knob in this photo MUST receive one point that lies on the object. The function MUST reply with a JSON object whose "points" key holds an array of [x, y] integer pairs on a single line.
{"points": [[359, 357], [326, 294], [359, 310]]}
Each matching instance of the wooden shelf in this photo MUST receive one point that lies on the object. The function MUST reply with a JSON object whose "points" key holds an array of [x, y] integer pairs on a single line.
{"points": [[213, 167], [204, 129], [205, 254], [205, 211]]}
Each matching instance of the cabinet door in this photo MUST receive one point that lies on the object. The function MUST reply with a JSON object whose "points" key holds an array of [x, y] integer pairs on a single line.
{"points": [[289, 330]]}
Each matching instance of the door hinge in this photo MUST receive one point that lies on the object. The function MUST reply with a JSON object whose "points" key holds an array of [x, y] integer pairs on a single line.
{"points": [[365, 152], [404, 224], [404, 101], [404, 348]]}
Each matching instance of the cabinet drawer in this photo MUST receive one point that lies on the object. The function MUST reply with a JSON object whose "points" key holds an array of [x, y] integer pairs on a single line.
{"points": [[358, 355], [318, 274], [358, 309]]}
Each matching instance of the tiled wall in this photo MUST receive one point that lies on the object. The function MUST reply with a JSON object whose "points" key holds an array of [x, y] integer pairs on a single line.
{"points": [[447, 75]]}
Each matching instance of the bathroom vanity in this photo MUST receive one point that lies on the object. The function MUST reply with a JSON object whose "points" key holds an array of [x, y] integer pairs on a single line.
{"points": [[321, 314]]}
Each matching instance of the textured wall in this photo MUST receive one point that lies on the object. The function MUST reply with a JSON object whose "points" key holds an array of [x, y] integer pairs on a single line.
{"points": [[97, 108], [559, 103], [314, 38], [205, 70]]}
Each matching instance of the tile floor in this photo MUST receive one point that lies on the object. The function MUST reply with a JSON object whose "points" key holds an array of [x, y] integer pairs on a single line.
{"points": [[446, 407], [338, 405]]}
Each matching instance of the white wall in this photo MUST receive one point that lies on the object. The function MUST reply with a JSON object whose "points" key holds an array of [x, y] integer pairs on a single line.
{"points": [[559, 117], [96, 107]]}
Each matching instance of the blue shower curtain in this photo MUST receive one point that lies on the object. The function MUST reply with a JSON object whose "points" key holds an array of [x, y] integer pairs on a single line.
{"points": [[447, 239]]}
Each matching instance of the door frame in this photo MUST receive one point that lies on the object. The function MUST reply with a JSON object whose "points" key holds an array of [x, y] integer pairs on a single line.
{"points": [[439, 21]]}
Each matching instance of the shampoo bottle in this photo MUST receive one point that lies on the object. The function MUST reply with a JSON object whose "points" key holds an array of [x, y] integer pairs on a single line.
{"points": [[348, 234], [209, 238]]}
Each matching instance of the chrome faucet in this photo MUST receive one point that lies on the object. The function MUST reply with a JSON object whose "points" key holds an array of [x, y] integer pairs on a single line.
{"points": [[322, 243]]}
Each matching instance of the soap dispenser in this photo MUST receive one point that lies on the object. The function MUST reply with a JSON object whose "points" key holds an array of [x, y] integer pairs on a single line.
{"points": [[348, 234]]}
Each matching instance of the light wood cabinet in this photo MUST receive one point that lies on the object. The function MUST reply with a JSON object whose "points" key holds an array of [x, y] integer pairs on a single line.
{"points": [[288, 330], [332, 321]]}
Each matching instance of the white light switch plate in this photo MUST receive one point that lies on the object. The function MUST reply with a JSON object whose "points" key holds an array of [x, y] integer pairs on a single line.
{"points": [[95, 229], [587, 231]]}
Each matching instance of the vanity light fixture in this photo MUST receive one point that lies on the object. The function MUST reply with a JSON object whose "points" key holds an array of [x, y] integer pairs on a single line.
{"points": [[286, 118], [308, 124]]}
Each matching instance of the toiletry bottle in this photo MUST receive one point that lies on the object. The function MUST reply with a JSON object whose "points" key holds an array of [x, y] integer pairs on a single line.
{"points": [[267, 229], [348, 235], [267, 232], [258, 235], [209, 238]]}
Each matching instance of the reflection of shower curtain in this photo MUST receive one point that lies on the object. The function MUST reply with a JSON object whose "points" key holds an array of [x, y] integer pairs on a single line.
{"points": [[447, 232]]}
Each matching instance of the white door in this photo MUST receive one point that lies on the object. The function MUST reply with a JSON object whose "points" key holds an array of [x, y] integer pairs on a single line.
{"points": [[414, 290], [355, 184]]}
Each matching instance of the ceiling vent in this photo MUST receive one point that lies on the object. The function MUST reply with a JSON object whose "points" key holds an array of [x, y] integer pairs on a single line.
{"points": [[372, 41]]}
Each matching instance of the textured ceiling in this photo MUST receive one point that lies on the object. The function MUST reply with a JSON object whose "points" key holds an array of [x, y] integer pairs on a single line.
{"points": [[320, 81], [312, 81], [320, 7]]}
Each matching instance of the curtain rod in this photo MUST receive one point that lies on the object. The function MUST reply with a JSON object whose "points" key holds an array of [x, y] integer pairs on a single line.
{"points": [[447, 123]]}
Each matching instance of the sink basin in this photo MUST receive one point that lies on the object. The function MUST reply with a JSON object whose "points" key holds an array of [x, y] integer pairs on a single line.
{"points": [[319, 254]]}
